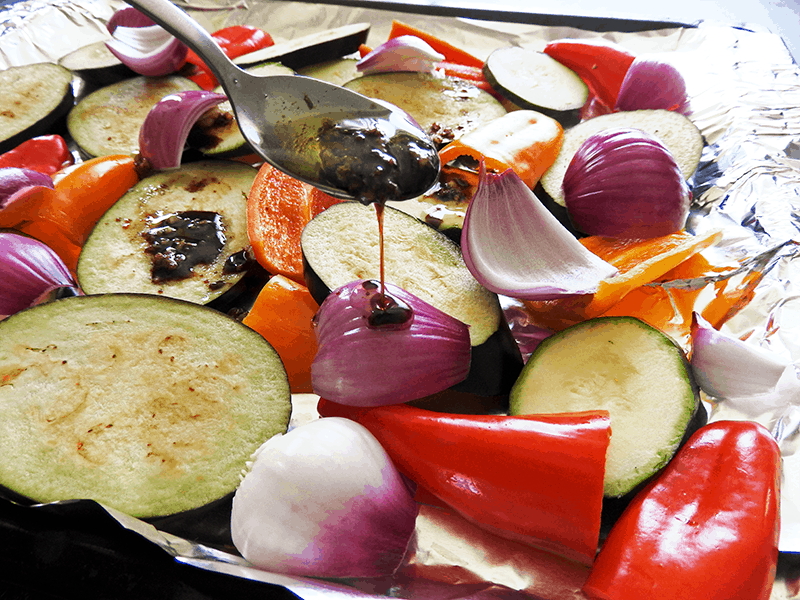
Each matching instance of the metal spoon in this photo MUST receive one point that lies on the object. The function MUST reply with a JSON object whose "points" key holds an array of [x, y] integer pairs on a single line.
{"points": [[281, 117]]}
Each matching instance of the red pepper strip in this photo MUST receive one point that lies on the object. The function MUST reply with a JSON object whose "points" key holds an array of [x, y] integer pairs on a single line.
{"points": [[46, 154], [451, 53], [234, 41], [707, 527], [536, 479], [601, 64], [64, 217]]}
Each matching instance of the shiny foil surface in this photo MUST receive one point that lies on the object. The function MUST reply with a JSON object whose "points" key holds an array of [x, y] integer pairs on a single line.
{"points": [[745, 98]]}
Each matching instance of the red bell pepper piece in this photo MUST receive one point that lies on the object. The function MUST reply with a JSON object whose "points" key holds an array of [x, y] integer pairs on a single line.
{"points": [[707, 527], [601, 64], [46, 154], [235, 41], [536, 479]]}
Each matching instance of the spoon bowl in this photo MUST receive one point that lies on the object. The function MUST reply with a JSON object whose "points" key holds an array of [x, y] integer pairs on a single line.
{"points": [[282, 118]]}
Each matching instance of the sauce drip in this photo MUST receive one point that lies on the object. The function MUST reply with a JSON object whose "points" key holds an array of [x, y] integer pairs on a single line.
{"points": [[375, 163], [177, 242]]}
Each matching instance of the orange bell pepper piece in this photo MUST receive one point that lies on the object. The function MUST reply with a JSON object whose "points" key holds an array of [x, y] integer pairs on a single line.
{"points": [[451, 53], [278, 208], [639, 262], [282, 314], [64, 217], [524, 140]]}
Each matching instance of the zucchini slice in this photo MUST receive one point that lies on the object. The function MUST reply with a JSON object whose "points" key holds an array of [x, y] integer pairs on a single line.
{"points": [[148, 405], [148, 241], [108, 120], [535, 81], [620, 364], [680, 136], [34, 97], [445, 107], [341, 245]]}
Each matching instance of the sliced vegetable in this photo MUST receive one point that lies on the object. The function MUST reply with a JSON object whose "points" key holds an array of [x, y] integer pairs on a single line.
{"points": [[306, 50], [338, 70], [524, 140], [706, 528], [96, 64], [34, 98], [600, 63], [166, 128], [533, 479], [680, 136], [147, 405], [639, 262], [380, 345], [29, 270], [446, 107], [341, 245], [451, 53], [282, 313], [533, 80], [180, 233], [64, 217], [144, 47], [46, 154], [625, 183], [403, 53], [324, 500], [623, 366], [278, 208], [651, 83], [234, 41], [514, 246], [108, 120]]}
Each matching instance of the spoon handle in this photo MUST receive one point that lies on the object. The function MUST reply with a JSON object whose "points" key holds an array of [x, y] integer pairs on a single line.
{"points": [[191, 33]]}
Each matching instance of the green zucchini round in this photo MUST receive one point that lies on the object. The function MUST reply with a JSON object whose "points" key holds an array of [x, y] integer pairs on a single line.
{"points": [[623, 365]]}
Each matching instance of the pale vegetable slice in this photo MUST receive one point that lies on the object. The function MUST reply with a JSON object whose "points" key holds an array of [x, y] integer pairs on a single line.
{"points": [[627, 367], [151, 406], [678, 134], [445, 107], [117, 258]]}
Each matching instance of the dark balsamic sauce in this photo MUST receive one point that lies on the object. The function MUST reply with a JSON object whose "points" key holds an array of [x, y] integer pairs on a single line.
{"points": [[374, 167], [177, 242]]}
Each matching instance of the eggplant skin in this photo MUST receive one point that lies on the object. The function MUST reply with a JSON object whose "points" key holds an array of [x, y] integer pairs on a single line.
{"points": [[34, 99]]}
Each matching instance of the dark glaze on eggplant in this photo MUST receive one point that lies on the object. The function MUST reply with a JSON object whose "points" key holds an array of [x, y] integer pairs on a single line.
{"points": [[179, 241]]}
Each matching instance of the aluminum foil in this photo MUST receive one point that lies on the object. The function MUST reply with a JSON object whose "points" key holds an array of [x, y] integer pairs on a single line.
{"points": [[745, 98]]}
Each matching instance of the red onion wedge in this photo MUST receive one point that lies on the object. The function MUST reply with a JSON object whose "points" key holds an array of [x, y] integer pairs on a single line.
{"points": [[514, 246], [144, 47], [324, 500], [13, 179], [653, 84], [624, 183], [29, 272], [750, 377], [165, 129], [403, 53], [363, 364]]}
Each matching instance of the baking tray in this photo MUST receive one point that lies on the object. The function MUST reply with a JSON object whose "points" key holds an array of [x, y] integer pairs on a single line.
{"points": [[747, 103]]}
